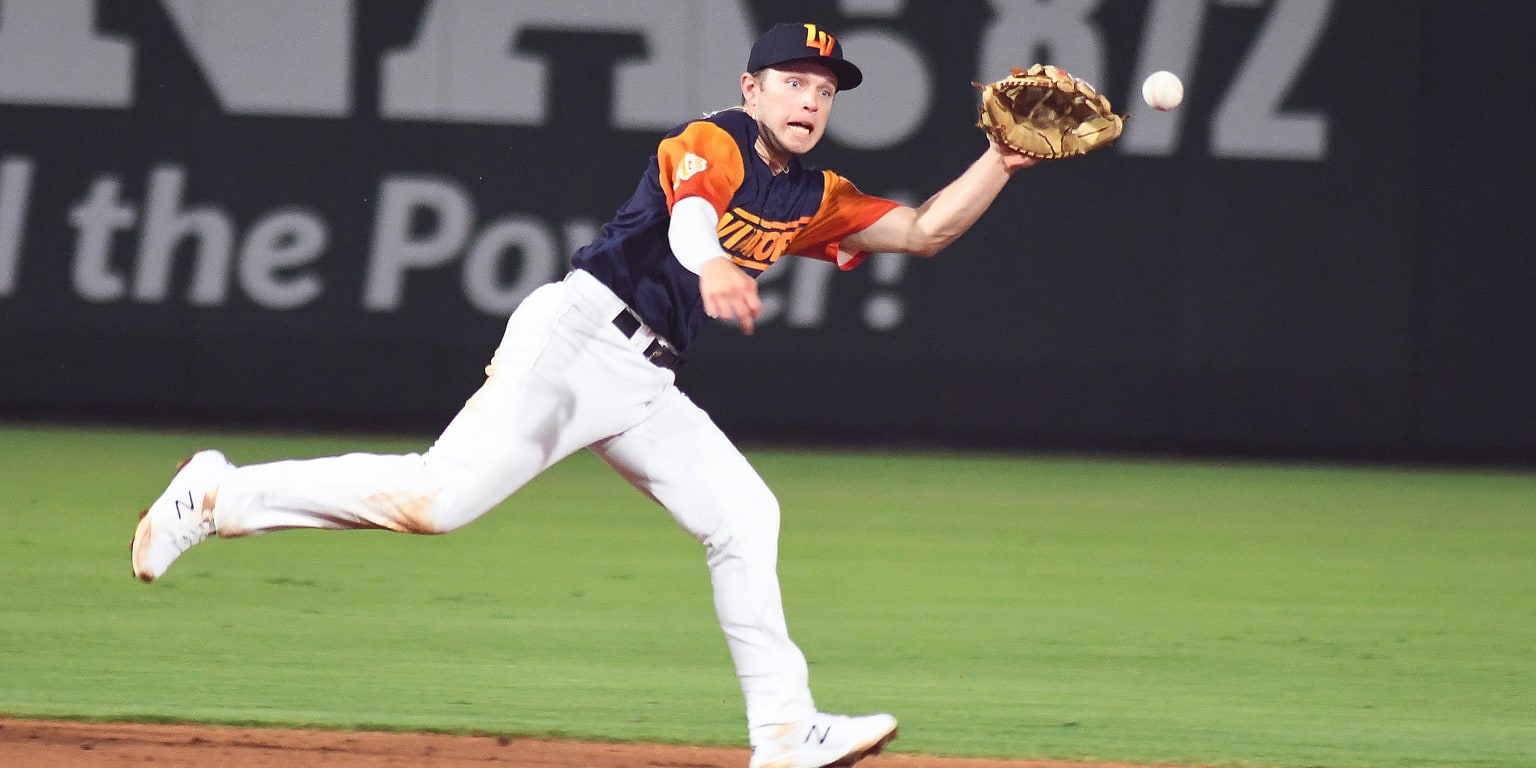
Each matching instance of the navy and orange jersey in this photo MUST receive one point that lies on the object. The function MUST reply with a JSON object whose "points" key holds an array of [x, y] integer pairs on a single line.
{"points": [[763, 216]]}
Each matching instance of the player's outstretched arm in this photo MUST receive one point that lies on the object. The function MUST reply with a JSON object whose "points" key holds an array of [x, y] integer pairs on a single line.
{"points": [[928, 228]]}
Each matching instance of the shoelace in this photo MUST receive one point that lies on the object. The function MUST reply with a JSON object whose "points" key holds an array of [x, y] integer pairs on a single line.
{"points": [[190, 535]]}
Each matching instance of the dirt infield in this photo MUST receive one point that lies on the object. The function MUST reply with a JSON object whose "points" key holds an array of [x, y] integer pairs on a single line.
{"points": [[61, 744]]}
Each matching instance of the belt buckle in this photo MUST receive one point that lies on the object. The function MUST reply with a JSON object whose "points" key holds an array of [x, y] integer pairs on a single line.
{"points": [[658, 347], [660, 353]]}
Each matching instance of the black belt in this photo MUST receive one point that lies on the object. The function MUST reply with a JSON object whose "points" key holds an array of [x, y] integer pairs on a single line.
{"points": [[660, 352]]}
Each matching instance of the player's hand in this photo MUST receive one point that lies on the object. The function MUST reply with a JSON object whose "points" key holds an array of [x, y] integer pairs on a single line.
{"points": [[729, 294], [1011, 159]]}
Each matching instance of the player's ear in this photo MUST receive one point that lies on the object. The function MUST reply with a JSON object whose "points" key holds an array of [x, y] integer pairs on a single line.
{"points": [[750, 86]]}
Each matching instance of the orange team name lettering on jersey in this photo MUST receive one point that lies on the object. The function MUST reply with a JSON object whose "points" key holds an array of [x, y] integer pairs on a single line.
{"points": [[754, 242], [818, 39]]}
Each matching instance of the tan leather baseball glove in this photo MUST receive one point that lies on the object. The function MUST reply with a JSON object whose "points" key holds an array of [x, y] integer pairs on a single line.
{"points": [[1045, 112]]}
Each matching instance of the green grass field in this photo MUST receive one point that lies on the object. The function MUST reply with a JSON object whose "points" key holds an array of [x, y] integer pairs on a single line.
{"points": [[1147, 611]]}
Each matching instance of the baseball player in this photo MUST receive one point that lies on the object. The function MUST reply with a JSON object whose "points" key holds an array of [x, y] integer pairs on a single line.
{"points": [[589, 361]]}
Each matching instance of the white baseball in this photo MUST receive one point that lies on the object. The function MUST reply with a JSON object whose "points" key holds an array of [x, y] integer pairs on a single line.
{"points": [[1162, 90]]}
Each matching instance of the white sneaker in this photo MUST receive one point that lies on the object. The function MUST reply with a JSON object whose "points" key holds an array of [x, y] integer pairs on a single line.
{"points": [[823, 741], [180, 518]]}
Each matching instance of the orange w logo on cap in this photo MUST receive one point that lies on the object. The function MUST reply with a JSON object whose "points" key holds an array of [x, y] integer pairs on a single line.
{"points": [[821, 41]]}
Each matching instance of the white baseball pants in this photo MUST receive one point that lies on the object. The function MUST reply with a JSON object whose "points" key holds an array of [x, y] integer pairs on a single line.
{"points": [[565, 378]]}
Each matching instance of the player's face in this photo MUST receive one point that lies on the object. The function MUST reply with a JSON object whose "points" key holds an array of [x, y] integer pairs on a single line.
{"points": [[791, 103]]}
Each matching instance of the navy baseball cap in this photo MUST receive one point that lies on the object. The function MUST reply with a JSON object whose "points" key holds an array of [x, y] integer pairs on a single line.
{"points": [[787, 43]]}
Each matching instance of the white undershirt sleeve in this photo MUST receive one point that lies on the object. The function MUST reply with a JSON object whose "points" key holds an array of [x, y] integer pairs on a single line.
{"points": [[692, 233]]}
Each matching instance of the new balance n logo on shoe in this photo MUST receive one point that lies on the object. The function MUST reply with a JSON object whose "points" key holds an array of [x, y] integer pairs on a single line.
{"points": [[826, 731], [189, 506]]}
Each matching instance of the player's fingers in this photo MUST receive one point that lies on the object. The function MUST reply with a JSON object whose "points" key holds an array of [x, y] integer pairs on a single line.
{"points": [[720, 304], [732, 310], [721, 309], [749, 308]]}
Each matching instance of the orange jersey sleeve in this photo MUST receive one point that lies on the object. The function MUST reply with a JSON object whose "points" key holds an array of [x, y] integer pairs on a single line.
{"points": [[702, 161], [844, 211]]}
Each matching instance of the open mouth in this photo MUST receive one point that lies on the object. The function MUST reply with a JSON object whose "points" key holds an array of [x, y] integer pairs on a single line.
{"points": [[803, 129]]}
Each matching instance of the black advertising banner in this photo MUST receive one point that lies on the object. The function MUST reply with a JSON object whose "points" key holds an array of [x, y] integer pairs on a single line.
{"points": [[321, 211], [1235, 273]]}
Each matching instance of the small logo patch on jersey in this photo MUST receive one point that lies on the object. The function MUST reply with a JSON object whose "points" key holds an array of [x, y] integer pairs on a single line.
{"points": [[688, 166]]}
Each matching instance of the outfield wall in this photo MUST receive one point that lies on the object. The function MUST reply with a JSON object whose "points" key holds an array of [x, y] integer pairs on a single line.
{"points": [[320, 211]]}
